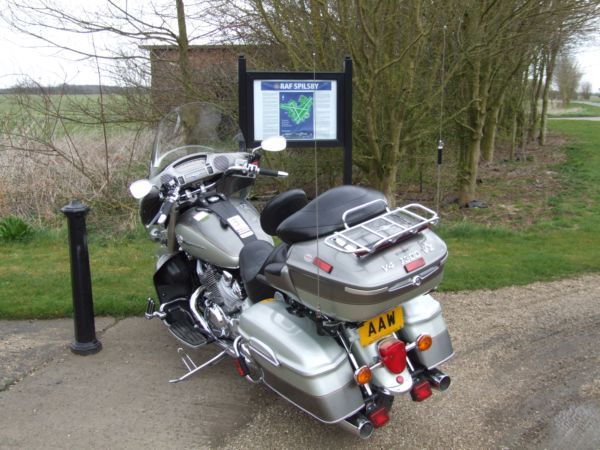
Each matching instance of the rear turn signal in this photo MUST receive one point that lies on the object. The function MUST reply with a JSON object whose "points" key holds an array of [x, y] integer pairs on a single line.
{"points": [[363, 375], [424, 342], [379, 417], [393, 355], [421, 391]]}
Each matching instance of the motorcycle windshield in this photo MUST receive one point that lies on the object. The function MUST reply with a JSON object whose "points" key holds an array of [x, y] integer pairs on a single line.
{"points": [[194, 128]]}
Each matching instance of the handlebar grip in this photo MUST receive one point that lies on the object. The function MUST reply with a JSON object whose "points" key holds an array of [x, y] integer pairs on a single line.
{"points": [[272, 173], [165, 210]]}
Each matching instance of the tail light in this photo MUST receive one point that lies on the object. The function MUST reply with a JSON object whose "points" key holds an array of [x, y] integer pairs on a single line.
{"points": [[379, 417], [421, 391], [393, 355]]}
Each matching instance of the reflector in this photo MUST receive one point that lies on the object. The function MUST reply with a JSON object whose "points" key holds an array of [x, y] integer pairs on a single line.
{"points": [[379, 417], [322, 265], [421, 391], [414, 265], [241, 368]]}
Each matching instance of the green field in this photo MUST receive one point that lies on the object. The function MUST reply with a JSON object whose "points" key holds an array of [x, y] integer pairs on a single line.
{"points": [[57, 115], [35, 280], [576, 109]]}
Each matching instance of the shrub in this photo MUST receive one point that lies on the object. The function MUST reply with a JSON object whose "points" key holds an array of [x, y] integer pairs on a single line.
{"points": [[14, 229]]}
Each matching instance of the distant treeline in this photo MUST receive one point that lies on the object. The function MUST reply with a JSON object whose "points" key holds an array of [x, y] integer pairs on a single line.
{"points": [[64, 89]]}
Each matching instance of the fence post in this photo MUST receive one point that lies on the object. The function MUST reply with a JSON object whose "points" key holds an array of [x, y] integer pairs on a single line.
{"points": [[81, 282]]}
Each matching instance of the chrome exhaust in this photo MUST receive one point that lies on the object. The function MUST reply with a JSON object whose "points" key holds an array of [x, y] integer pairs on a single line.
{"points": [[438, 379], [359, 426]]}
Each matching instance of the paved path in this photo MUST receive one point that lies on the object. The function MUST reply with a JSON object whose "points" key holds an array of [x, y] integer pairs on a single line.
{"points": [[594, 119]]}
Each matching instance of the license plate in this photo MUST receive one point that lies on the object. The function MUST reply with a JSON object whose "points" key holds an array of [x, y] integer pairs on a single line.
{"points": [[380, 326]]}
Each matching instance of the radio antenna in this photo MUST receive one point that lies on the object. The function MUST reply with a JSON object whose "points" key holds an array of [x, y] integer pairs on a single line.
{"points": [[440, 145], [316, 169]]}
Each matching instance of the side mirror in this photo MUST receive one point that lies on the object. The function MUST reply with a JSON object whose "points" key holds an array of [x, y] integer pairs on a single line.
{"points": [[140, 188], [274, 144]]}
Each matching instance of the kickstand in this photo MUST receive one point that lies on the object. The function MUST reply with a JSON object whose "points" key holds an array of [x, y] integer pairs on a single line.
{"points": [[191, 366]]}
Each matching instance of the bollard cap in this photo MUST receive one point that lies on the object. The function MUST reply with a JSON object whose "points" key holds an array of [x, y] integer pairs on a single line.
{"points": [[75, 207]]}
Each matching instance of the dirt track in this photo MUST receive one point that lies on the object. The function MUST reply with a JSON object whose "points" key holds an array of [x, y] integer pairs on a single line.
{"points": [[526, 375]]}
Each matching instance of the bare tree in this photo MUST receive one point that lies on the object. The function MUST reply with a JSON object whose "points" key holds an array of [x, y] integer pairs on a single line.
{"points": [[567, 78], [586, 90]]}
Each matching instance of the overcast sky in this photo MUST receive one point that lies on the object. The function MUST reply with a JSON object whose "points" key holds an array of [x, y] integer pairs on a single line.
{"points": [[22, 57]]}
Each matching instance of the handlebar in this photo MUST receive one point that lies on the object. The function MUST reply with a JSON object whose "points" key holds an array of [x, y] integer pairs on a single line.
{"points": [[173, 195], [272, 173], [167, 206], [165, 210], [250, 169]]}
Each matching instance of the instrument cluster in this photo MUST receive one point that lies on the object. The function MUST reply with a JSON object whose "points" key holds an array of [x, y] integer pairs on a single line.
{"points": [[192, 169]]}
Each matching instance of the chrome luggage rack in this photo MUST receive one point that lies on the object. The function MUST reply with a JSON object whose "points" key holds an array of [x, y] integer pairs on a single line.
{"points": [[366, 237]]}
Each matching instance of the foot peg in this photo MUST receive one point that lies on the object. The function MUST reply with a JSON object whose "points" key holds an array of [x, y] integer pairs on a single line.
{"points": [[191, 366], [150, 313]]}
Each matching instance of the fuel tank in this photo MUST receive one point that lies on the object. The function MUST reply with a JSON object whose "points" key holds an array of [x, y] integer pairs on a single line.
{"points": [[205, 236]]}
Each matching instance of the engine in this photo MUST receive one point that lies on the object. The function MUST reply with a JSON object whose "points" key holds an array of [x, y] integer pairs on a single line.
{"points": [[223, 298]]}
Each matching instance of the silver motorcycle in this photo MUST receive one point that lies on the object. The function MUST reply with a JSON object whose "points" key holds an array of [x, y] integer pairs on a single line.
{"points": [[337, 318]]}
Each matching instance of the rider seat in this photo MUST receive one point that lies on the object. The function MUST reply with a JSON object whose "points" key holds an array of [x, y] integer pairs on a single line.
{"points": [[280, 208], [324, 214], [254, 258]]}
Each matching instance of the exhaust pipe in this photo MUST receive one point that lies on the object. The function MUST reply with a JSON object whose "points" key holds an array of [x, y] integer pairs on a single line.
{"points": [[359, 426], [438, 379]]}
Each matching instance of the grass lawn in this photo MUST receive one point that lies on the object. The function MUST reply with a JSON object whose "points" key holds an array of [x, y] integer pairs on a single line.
{"points": [[564, 244], [35, 280]]}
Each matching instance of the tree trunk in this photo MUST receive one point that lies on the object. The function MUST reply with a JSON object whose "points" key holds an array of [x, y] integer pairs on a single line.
{"points": [[388, 185], [521, 133], [489, 132], [536, 91], [471, 152], [546, 94], [468, 169], [184, 60], [513, 137]]}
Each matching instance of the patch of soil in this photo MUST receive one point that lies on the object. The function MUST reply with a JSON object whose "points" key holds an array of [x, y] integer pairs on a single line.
{"points": [[517, 193]]}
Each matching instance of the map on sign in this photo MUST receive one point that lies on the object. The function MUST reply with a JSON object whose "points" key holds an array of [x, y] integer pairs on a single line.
{"points": [[296, 115], [300, 110]]}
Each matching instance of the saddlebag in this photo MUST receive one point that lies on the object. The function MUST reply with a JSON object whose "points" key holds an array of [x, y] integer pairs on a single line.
{"points": [[309, 370], [423, 315]]}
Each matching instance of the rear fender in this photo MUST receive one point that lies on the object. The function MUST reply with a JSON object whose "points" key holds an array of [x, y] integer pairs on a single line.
{"points": [[387, 382]]}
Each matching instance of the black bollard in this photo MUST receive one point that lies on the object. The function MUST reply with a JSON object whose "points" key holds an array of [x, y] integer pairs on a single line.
{"points": [[81, 281]]}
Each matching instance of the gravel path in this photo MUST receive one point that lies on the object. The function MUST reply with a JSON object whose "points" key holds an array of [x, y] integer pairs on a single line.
{"points": [[526, 375]]}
